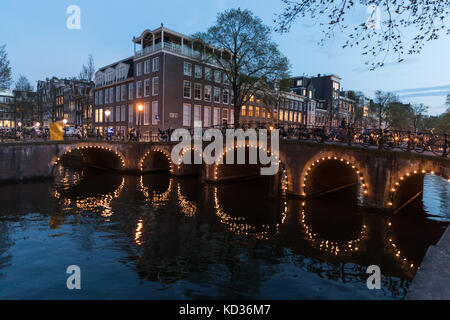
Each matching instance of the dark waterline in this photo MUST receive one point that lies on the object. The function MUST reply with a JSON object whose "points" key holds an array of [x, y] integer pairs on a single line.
{"points": [[158, 237]]}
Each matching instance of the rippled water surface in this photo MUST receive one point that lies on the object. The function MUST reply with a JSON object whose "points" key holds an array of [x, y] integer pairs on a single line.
{"points": [[158, 237]]}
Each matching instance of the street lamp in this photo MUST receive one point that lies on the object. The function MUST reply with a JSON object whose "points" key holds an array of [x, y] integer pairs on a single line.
{"points": [[140, 108], [64, 122], [107, 113]]}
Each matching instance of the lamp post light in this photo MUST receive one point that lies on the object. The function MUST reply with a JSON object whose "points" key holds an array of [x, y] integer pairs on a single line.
{"points": [[140, 108]]}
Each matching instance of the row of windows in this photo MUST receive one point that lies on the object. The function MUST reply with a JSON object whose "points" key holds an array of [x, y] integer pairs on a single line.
{"points": [[204, 73], [145, 89], [135, 117], [147, 66], [209, 117], [218, 94]]}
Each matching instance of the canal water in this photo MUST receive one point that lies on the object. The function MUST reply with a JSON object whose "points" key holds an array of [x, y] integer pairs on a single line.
{"points": [[159, 237]]}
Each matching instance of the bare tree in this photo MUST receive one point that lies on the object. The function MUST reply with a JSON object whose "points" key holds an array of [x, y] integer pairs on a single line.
{"points": [[381, 105], [242, 47], [23, 84], [87, 71], [383, 33], [5, 69], [418, 114]]}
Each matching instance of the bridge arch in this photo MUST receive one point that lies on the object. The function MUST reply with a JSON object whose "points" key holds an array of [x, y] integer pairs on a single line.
{"points": [[283, 172], [192, 168], [102, 156], [409, 185], [325, 165], [156, 159]]}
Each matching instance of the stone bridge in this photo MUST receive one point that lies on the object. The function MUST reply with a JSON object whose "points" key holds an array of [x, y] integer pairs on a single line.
{"points": [[385, 179]]}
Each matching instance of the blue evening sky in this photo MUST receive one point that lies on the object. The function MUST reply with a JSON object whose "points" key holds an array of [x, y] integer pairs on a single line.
{"points": [[39, 44]]}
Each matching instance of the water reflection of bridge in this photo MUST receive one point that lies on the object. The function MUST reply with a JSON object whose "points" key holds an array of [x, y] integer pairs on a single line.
{"points": [[195, 240]]}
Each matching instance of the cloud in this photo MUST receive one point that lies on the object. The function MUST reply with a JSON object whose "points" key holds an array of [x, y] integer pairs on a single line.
{"points": [[426, 94], [444, 87]]}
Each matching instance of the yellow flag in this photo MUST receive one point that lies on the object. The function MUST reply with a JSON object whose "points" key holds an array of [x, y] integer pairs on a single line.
{"points": [[56, 132]]}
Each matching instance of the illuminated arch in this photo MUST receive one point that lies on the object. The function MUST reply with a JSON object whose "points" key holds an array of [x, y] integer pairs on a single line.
{"points": [[395, 251], [56, 160], [362, 181], [276, 157], [92, 203], [164, 152], [239, 226], [328, 246], [404, 176], [157, 199], [188, 208]]}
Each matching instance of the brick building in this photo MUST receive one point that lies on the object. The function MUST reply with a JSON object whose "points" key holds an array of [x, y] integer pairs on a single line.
{"points": [[164, 85]]}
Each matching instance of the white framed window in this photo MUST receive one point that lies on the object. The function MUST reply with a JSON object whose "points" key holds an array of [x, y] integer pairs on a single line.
{"points": [[217, 95], [121, 74], [226, 95], [216, 117], [107, 96], [207, 116], [208, 74], [118, 94], [122, 113], [186, 115], [100, 102], [208, 93], [224, 116], [139, 89], [131, 91], [155, 64], [198, 71], [197, 113], [130, 113], [147, 67], [96, 97], [139, 69], [217, 76], [146, 113], [123, 92], [155, 86], [187, 69], [187, 89], [198, 91], [111, 94], [117, 114], [147, 87], [155, 113]]}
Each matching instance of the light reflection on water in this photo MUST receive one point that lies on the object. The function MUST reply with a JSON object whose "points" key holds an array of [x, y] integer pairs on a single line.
{"points": [[158, 237]]}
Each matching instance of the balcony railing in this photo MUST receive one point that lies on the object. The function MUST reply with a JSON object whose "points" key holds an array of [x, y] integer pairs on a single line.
{"points": [[172, 47]]}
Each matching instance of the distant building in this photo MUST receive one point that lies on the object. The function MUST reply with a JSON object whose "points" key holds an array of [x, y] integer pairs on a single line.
{"points": [[7, 119], [327, 105], [68, 99]]}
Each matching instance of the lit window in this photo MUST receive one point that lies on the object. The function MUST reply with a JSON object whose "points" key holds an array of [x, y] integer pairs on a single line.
{"points": [[155, 86], [186, 115]]}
